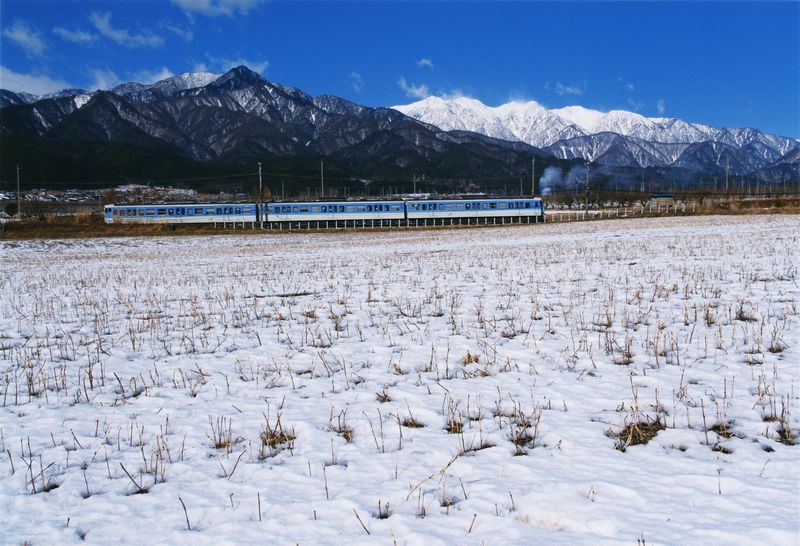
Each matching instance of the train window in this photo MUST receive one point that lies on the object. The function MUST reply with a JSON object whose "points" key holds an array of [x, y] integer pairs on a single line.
{"points": [[492, 205], [341, 208], [303, 209], [169, 211], [238, 210]]}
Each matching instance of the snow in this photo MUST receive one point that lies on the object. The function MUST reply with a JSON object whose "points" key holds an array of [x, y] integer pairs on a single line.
{"points": [[584, 118], [192, 80], [81, 100], [534, 124], [136, 355], [528, 122]]}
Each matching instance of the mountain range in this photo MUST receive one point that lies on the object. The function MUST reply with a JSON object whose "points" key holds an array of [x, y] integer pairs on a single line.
{"points": [[615, 138], [202, 128]]}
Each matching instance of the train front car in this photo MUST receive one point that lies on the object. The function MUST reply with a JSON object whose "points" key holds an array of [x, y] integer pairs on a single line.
{"points": [[475, 211], [324, 214], [182, 213]]}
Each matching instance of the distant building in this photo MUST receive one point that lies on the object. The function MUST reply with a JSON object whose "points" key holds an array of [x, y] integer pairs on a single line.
{"points": [[661, 201]]}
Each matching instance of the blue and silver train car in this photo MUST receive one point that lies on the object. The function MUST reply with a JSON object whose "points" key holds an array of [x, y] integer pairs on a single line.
{"points": [[335, 211], [182, 213], [321, 214], [475, 208]]}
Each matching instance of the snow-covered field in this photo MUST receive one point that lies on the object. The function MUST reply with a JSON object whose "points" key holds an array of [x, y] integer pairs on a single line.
{"points": [[416, 387]]}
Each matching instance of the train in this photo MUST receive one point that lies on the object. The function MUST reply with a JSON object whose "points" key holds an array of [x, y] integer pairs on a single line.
{"points": [[333, 213]]}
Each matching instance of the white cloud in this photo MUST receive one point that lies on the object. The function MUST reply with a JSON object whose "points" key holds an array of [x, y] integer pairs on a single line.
{"points": [[357, 81], [577, 89], [660, 106], [627, 85], [223, 64], [37, 84], [453, 94], [185, 34], [425, 62], [217, 7], [123, 37], [75, 36], [636, 105], [413, 91], [102, 78], [152, 76], [26, 37]]}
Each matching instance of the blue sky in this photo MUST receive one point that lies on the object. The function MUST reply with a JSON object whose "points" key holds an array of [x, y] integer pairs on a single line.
{"points": [[734, 64]]}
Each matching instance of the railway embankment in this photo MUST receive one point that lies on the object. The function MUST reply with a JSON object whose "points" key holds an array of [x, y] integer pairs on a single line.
{"points": [[93, 226]]}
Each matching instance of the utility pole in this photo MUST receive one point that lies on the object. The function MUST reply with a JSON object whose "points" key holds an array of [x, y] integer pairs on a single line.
{"points": [[260, 193], [533, 177], [727, 170], [586, 199], [322, 177], [19, 202]]}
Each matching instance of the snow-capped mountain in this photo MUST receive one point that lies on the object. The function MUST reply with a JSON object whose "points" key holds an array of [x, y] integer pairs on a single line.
{"points": [[164, 88], [239, 116], [135, 91], [11, 97], [617, 137], [527, 122]]}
